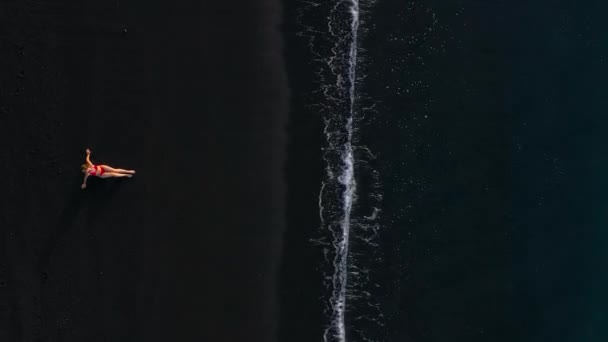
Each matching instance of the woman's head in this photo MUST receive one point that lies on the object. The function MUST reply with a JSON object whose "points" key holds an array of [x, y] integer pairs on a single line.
{"points": [[84, 168]]}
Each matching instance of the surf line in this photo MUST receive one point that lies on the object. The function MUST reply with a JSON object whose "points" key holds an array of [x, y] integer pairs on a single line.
{"points": [[337, 330]]}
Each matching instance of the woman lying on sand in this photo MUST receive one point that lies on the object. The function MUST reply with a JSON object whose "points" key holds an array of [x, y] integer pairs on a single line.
{"points": [[103, 171]]}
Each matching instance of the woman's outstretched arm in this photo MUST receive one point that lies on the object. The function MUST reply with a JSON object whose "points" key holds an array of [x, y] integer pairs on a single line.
{"points": [[84, 182], [88, 158]]}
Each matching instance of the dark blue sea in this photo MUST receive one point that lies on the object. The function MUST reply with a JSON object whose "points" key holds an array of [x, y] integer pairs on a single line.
{"points": [[446, 171]]}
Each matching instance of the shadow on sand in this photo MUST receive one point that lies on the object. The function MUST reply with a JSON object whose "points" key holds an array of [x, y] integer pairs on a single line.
{"points": [[82, 208]]}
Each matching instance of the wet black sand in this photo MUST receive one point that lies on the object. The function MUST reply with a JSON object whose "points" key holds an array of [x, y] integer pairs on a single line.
{"points": [[192, 95]]}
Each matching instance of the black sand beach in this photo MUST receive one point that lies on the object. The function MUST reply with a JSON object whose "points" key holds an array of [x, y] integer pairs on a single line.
{"points": [[193, 96], [477, 139]]}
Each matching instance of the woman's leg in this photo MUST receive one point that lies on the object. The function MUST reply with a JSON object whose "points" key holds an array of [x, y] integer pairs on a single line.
{"points": [[115, 174], [111, 169]]}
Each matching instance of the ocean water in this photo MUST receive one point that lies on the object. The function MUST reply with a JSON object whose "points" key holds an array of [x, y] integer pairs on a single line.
{"points": [[455, 193]]}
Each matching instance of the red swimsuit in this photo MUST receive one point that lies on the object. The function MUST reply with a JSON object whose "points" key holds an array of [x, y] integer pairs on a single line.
{"points": [[96, 171]]}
